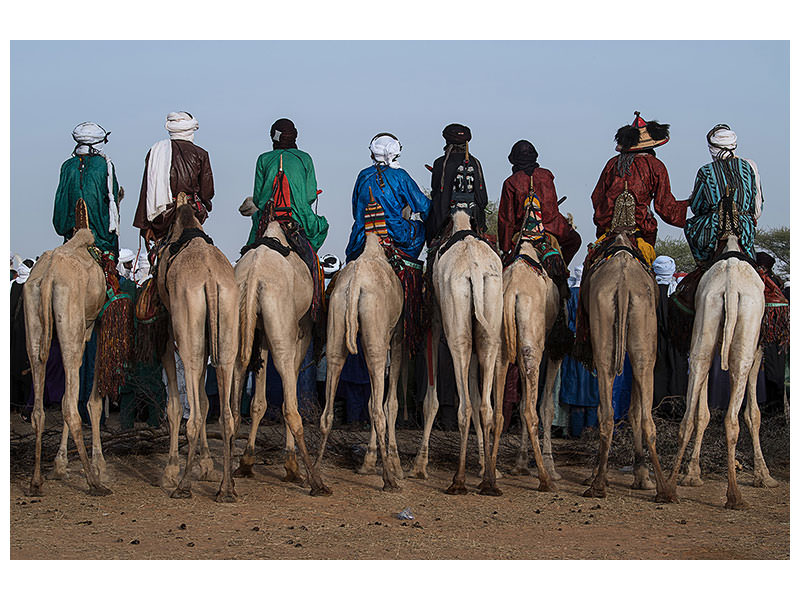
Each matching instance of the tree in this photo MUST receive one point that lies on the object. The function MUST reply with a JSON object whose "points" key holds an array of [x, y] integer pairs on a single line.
{"points": [[776, 242], [678, 250]]}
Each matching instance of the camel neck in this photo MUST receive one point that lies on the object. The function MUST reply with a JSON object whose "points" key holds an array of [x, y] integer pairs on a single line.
{"points": [[461, 221]]}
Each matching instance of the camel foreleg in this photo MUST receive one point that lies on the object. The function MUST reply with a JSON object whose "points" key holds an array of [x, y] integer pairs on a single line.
{"points": [[60, 463], [37, 420], [95, 407], [258, 407], [172, 470], [547, 411]]}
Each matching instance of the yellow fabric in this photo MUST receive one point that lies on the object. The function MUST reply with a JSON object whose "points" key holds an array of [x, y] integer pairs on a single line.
{"points": [[647, 250]]}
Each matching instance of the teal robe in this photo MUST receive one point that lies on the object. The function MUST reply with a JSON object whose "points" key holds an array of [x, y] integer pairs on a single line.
{"points": [[299, 170], [93, 188]]}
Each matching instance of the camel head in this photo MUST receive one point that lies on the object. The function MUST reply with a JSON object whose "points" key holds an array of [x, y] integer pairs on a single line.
{"points": [[184, 219]]}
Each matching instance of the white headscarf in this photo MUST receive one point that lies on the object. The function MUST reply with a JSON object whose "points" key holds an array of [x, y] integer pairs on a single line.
{"points": [[664, 268], [721, 142], [330, 264], [181, 126], [89, 136], [125, 255], [575, 279], [23, 271], [385, 149]]}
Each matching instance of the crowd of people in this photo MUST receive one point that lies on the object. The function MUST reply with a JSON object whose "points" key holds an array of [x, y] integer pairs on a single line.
{"points": [[285, 189]]}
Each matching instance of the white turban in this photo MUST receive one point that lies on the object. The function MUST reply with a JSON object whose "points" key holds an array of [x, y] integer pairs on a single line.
{"points": [[721, 142], [181, 126], [330, 264], [126, 255], [575, 279], [23, 271], [385, 149], [89, 135], [664, 268]]}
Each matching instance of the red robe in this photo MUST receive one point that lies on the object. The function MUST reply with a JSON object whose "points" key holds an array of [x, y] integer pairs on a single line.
{"points": [[648, 180], [512, 211]]}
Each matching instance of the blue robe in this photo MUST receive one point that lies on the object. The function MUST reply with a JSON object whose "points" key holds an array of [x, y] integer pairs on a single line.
{"points": [[703, 229], [398, 191]]}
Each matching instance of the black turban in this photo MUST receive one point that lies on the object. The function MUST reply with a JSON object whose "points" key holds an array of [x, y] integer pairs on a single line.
{"points": [[456, 134], [283, 134], [523, 157]]}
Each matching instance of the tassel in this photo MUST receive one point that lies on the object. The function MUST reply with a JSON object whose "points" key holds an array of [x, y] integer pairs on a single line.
{"points": [[114, 347]]}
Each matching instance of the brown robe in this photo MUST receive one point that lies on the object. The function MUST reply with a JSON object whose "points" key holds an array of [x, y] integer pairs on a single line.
{"points": [[190, 172]]}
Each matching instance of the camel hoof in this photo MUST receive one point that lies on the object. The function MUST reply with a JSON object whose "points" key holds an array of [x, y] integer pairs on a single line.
{"points": [[57, 475], [320, 490], [207, 472], [520, 471], [244, 471], [547, 485], [34, 490], [736, 504], [419, 474], [180, 493], [489, 489], [226, 497], [588, 481], [99, 490], [692, 481], [293, 477], [554, 475], [593, 492], [644, 484], [391, 486], [366, 470], [669, 496], [765, 481], [456, 489]]}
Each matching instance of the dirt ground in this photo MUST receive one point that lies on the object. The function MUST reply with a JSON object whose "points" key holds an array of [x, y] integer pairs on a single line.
{"points": [[278, 520]]}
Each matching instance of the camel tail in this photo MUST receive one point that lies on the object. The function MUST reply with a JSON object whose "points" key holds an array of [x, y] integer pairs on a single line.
{"points": [[46, 316], [212, 315], [478, 301], [510, 323], [621, 303], [731, 313], [351, 314], [247, 321]]}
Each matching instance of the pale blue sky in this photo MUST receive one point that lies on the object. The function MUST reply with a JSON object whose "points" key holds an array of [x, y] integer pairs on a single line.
{"points": [[568, 98]]}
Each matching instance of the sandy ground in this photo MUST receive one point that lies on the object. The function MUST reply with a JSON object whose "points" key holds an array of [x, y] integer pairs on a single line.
{"points": [[276, 520]]}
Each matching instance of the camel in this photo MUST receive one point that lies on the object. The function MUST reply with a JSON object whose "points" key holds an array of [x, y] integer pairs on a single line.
{"points": [[198, 289], [729, 308], [368, 298], [66, 291], [275, 291], [467, 281], [622, 309], [525, 292]]}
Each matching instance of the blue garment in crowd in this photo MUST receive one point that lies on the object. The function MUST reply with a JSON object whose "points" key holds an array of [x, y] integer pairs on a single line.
{"points": [[398, 190]]}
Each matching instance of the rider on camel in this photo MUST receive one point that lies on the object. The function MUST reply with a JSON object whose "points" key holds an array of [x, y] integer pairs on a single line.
{"points": [[394, 189], [173, 166], [285, 188], [89, 176], [527, 176], [725, 174], [299, 170], [460, 171], [637, 170]]}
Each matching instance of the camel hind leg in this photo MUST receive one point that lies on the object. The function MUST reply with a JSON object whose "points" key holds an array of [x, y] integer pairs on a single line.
{"points": [[461, 357], [431, 403], [391, 408], [547, 412], [693, 474], [95, 407], [336, 354], [752, 417]]}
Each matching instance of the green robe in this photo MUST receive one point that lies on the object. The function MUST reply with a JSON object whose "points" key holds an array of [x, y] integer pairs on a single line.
{"points": [[94, 190], [299, 171]]}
